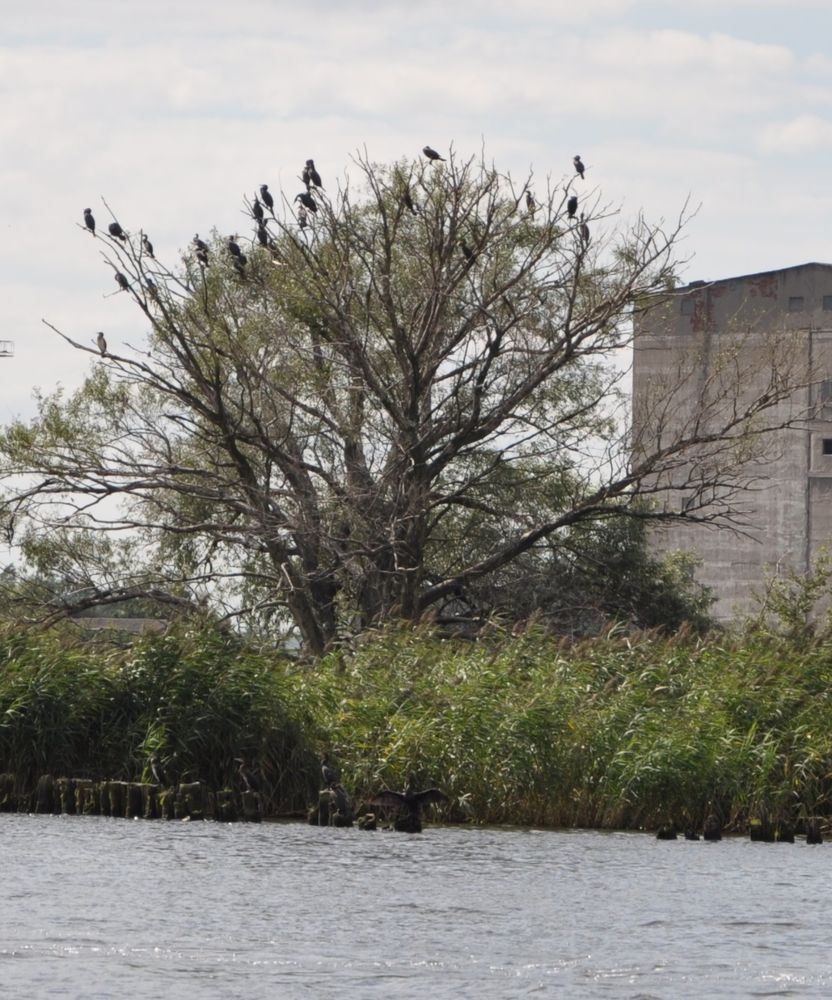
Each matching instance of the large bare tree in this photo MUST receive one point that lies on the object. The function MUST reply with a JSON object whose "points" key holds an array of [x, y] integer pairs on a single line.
{"points": [[380, 402]]}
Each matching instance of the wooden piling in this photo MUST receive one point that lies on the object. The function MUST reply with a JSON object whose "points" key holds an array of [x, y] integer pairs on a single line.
{"points": [[133, 803], [191, 799], [332, 809], [784, 833], [65, 790], [167, 798], [813, 831], [8, 800], [252, 807], [226, 807], [150, 801], [118, 798], [87, 797], [45, 795], [759, 829]]}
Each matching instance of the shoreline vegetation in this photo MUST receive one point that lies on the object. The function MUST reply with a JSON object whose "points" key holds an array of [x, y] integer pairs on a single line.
{"points": [[618, 732]]}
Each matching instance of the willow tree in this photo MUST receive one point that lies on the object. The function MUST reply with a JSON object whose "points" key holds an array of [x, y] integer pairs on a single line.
{"points": [[373, 407]]}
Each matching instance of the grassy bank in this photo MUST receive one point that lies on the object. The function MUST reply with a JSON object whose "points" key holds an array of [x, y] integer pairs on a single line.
{"points": [[615, 732]]}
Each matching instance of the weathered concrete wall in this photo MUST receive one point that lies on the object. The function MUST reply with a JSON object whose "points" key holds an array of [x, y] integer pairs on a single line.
{"points": [[752, 330]]}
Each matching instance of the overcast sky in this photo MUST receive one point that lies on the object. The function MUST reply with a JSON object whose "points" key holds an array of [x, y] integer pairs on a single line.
{"points": [[174, 111]]}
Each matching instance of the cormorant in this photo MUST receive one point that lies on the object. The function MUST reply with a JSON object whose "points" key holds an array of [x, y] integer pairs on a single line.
{"points": [[266, 195], [583, 229], [262, 234], [303, 218], [531, 205], [157, 770], [247, 776], [572, 206], [431, 154], [147, 245], [410, 804], [340, 800], [89, 221], [467, 252], [201, 250], [407, 198], [116, 231], [234, 247], [311, 175], [122, 281], [579, 167], [102, 343], [257, 210], [305, 198], [328, 774]]}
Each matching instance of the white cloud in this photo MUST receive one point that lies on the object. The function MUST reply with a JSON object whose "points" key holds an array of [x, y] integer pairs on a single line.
{"points": [[173, 111], [803, 134]]}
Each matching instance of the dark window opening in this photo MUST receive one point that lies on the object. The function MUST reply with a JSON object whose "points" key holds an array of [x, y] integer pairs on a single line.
{"points": [[827, 303], [827, 446], [688, 306], [795, 303]]}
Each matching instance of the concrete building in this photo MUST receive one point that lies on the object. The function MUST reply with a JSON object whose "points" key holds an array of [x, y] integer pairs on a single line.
{"points": [[707, 347]]}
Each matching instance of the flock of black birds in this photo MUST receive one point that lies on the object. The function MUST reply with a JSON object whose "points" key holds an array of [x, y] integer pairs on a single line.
{"points": [[306, 203]]}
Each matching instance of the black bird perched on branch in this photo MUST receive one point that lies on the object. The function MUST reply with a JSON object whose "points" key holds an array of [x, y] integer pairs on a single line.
{"points": [[410, 804], [266, 195], [147, 246], [102, 343], [306, 199], [467, 252], [431, 154], [310, 175], [572, 206], [262, 234], [116, 231], [583, 229], [531, 205], [201, 250], [89, 221], [407, 198], [257, 210], [122, 281], [579, 167], [234, 247]]}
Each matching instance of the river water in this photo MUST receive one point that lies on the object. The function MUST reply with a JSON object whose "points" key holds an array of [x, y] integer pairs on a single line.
{"points": [[98, 908]]}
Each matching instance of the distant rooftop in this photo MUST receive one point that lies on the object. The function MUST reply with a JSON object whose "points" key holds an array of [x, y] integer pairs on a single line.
{"points": [[692, 285]]}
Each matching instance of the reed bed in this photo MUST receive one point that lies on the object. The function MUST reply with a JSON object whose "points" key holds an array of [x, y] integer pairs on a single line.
{"points": [[198, 700], [616, 732]]}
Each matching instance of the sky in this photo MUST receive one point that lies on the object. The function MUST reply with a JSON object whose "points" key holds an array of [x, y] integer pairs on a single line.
{"points": [[174, 112]]}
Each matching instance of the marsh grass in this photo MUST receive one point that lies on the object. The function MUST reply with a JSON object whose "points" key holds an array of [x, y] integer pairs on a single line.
{"points": [[620, 731], [196, 699]]}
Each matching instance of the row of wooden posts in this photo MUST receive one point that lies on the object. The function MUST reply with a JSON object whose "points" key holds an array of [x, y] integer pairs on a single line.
{"points": [[130, 800], [759, 829]]}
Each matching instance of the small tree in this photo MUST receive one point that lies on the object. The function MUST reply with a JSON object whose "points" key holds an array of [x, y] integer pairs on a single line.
{"points": [[305, 427]]}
